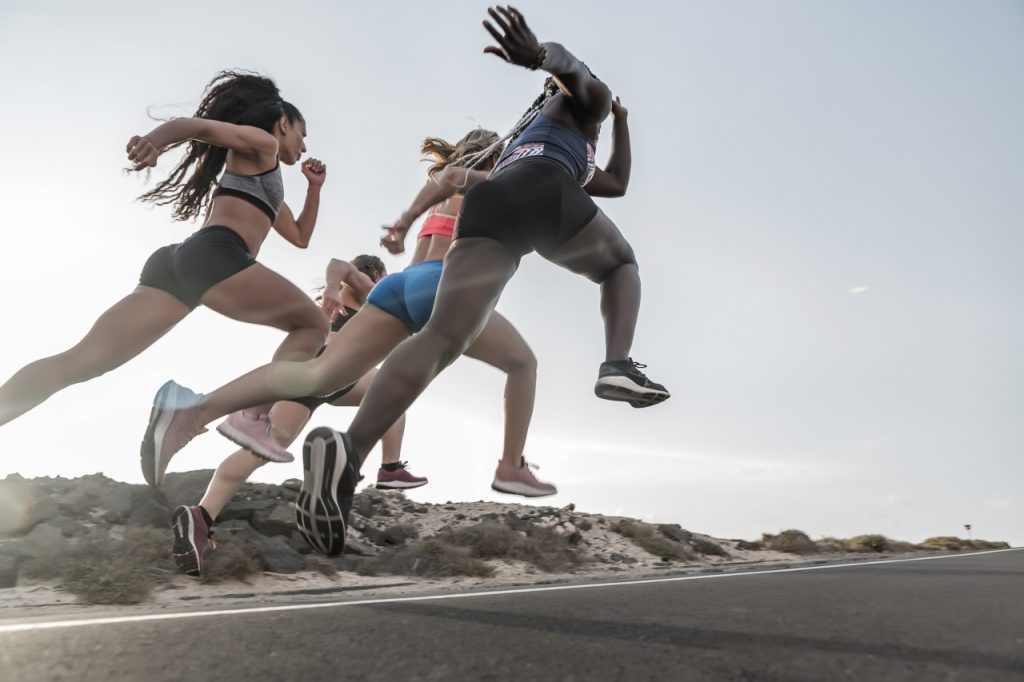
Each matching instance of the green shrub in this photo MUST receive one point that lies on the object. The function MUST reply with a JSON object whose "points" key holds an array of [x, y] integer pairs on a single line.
{"points": [[867, 543], [943, 542]]}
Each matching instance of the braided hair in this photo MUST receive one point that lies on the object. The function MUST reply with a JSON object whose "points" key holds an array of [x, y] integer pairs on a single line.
{"points": [[550, 90], [236, 97]]}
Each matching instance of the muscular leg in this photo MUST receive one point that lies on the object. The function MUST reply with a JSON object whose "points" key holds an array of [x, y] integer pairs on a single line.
{"points": [[261, 296], [476, 271], [391, 441], [500, 345], [600, 253], [288, 419], [357, 347], [126, 329]]}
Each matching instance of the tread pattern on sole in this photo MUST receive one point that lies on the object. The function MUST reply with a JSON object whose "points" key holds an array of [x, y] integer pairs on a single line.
{"points": [[318, 516]]}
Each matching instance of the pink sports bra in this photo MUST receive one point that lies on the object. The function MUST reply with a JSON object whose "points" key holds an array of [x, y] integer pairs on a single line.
{"points": [[437, 223]]}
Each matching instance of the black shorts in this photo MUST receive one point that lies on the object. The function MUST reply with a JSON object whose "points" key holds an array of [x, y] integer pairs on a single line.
{"points": [[311, 402], [533, 205], [189, 269]]}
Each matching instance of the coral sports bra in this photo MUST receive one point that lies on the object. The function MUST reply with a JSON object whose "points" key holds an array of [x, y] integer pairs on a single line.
{"points": [[437, 223]]}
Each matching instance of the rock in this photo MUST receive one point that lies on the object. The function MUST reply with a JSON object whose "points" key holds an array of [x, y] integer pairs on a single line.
{"points": [[364, 505], [68, 527], [22, 506], [78, 502], [12, 554], [118, 503], [277, 555], [353, 546], [748, 546], [292, 484], [149, 508], [45, 537], [247, 510], [375, 535], [278, 520], [298, 543], [422, 509], [397, 535], [584, 525], [186, 487], [674, 531]]}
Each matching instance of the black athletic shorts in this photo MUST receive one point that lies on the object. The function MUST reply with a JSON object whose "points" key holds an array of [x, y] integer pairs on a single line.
{"points": [[189, 269], [534, 205]]}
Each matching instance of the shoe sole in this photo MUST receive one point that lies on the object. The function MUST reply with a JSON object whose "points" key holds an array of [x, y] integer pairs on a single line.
{"points": [[159, 419], [186, 554], [400, 485], [626, 390], [520, 489], [317, 514], [244, 440]]}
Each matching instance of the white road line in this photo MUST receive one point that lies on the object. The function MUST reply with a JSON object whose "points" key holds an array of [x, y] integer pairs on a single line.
{"points": [[25, 627]]}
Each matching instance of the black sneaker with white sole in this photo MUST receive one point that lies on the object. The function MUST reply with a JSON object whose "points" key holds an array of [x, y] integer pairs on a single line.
{"points": [[317, 514], [622, 380]]}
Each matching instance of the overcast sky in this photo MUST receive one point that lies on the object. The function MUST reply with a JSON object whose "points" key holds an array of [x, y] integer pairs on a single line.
{"points": [[826, 206]]}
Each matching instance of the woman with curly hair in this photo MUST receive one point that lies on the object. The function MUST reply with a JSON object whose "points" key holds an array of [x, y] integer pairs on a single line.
{"points": [[231, 175]]}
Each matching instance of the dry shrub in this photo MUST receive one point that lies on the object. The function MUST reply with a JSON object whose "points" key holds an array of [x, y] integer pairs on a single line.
{"points": [[830, 544], [541, 547], [431, 558], [706, 547], [790, 541], [644, 536], [102, 569], [315, 562], [987, 544], [234, 559]]}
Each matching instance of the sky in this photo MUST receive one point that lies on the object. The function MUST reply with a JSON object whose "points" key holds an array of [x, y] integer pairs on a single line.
{"points": [[825, 204]]}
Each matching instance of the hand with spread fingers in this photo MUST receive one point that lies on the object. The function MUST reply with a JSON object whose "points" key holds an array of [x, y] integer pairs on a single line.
{"points": [[517, 43], [142, 153]]}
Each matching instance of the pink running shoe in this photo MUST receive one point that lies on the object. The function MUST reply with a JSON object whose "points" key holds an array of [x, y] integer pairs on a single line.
{"points": [[520, 481], [192, 535], [254, 434], [172, 424], [399, 479]]}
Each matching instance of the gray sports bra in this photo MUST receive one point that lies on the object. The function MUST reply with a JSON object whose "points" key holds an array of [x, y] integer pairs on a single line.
{"points": [[264, 191]]}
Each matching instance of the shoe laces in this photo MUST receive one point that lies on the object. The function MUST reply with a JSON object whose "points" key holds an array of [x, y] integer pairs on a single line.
{"points": [[635, 364]]}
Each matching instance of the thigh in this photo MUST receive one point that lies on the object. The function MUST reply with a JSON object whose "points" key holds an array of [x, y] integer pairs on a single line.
{"points": [[595, 250], [354, 349], [501, 345], [475, 273], [261, 296], [131, 325]]}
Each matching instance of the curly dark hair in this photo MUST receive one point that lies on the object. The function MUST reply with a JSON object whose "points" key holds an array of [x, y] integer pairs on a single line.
{"points": [[233, 97], [371, 266]]}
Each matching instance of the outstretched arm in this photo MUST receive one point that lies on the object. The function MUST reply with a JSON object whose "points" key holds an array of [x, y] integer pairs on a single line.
{"points": [[589, 98], [143, 150], [441, 186], [614, 179], [299, 230]]}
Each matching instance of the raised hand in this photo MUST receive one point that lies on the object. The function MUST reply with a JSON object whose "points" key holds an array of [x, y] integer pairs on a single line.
{"points": [[142, 153], [331, 303], [394, 237], [517, 43], [618, 109], [315, 171]]}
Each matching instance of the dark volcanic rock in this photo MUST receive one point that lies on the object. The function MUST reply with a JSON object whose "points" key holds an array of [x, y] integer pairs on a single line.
{"points": [[22, 506]]}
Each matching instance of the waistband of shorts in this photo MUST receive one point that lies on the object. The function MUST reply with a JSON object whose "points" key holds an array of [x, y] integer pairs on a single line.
{"points": [[220, 229], [432, 263]]}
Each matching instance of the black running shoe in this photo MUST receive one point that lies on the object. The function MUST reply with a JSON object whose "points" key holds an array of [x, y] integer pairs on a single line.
{"points": [[622, 380], [317, 514], [349, 478]]}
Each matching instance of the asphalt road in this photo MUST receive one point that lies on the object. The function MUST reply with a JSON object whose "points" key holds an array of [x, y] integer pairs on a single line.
{"points": [[947, 618]]}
